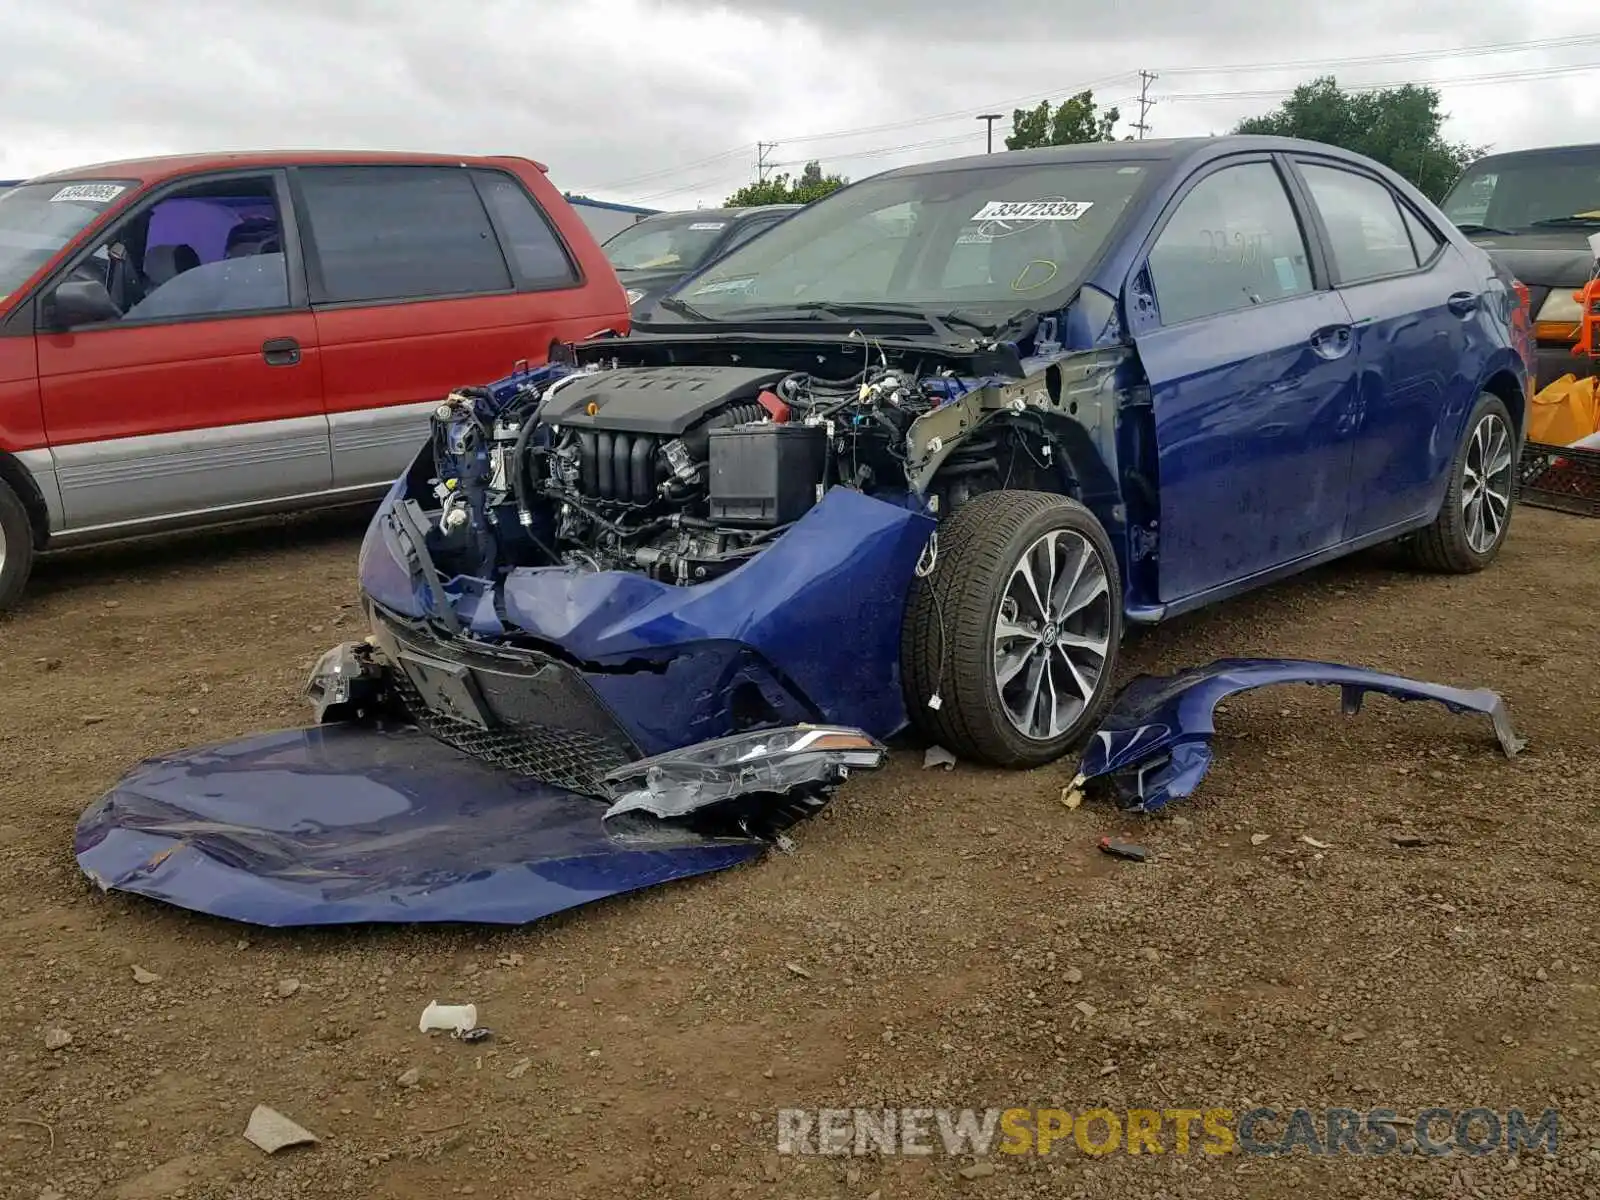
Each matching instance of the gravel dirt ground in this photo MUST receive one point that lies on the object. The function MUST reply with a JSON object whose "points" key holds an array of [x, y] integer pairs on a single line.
{"points": [[938, 939]]}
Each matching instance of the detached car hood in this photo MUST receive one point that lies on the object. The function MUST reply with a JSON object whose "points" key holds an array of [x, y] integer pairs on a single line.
{"points": [[1555, 258], [345, 823]]}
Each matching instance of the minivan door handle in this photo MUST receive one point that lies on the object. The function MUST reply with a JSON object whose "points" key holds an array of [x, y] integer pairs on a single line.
{"points": [[1462, 303], [281, 352], [1333, 341]]}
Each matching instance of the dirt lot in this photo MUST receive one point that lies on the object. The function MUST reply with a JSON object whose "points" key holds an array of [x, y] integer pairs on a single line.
{"points": [[962, 942]]}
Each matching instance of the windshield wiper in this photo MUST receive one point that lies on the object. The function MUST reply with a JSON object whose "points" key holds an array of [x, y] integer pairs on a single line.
{"points": [[1474, 227], [684, 309], [1581, 220], [939, 320]]}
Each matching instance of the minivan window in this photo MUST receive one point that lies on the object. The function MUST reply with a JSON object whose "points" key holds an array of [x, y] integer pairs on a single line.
{"points": [[1537, 190], [399, 233], [38, 219], [532, 244]]}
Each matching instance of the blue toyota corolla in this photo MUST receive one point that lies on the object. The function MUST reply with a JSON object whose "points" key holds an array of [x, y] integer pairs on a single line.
{"points": [[914, 457]]}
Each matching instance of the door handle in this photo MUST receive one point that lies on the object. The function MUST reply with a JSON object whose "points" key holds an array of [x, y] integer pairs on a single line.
{"points": [[1462, 303], [1333, 341], [280, 352]]}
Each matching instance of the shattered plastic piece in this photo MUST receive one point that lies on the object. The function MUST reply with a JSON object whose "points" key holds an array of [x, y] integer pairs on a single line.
{"points": [[1155, 741], [751, 772], [478, 1034], [1128, 850], [458, 1018], [938, 756], [1072, 794], [271, 1131]]}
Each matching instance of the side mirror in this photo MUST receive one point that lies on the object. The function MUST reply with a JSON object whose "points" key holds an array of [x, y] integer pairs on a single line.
{"points": [[79, 302]]}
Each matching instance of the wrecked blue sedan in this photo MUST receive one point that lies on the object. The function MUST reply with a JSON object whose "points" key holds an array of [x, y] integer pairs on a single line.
{"points": [[914, 457]]}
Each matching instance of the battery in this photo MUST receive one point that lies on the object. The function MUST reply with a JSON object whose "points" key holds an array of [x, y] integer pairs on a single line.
{"points": [[764, 475]]}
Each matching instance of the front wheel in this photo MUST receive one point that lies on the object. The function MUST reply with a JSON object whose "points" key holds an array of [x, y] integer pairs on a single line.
{"points": [[1471, 526], [16, 547], [1014, 632]]}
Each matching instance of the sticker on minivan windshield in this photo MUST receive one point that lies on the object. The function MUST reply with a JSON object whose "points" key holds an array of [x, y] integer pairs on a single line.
{"points": [[708, 225], [94, 193], [1033, 210]]}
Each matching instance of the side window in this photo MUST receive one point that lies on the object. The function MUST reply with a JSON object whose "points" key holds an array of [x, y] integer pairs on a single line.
{"points": [[532, 244], [208, 250], [1423, 239], [399, 233], [1233, 242], [1366, 232]]}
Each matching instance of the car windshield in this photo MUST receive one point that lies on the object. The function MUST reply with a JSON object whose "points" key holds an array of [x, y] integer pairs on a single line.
{"points": [[38, 219], [675, 242], [1529, 191], [994, 238]]}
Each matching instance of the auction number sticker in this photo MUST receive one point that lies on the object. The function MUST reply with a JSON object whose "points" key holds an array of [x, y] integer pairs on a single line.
{"points": [[94, 193], [1033, 210]]}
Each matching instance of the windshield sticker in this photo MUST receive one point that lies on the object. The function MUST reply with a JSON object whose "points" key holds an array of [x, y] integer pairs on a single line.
{"points": [[1053, 208], [708, 225], [1286, 276], [94, 193], [975, 238]]}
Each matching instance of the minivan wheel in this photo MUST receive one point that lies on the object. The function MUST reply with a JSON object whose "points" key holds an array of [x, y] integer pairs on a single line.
{"points": [[1015, 630], [16, 547], [1471, 526]]}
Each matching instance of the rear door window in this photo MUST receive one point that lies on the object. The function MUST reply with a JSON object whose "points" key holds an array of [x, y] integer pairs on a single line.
{"points": [[398, 233], [1366, 232]]}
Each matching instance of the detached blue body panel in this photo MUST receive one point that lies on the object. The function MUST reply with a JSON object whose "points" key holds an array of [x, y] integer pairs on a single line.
{"points": [[1155, 741], [345, 824]]}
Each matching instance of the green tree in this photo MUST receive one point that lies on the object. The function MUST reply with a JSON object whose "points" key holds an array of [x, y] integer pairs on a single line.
{"points": [[1400, 127], [811, 185], [1076, 119]]}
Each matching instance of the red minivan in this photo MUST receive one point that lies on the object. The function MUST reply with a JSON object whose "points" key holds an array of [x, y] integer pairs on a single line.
{"points": [[191, 340]]}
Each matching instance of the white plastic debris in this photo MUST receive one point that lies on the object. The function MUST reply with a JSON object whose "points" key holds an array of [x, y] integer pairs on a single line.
{"points": [[456, 1018], [938, 756], [271, 1131]]}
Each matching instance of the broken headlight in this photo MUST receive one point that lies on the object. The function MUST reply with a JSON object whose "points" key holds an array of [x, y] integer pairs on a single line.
{"points": [[346, 682], [799, 762]]}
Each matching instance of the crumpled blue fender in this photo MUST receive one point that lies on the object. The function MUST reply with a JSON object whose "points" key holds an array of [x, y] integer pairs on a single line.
{"points": [[1155, 740], [342, 824]]}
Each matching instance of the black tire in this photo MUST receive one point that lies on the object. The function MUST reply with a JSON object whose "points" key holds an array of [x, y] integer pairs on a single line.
{"points": [[948, 646], [16, 548], [1452, 545]]}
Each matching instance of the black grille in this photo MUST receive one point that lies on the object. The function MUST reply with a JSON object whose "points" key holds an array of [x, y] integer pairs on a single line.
{"points": [[568, 758]]}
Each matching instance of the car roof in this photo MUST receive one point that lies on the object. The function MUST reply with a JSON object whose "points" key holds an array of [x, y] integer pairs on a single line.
{"points": [[151, 170], [1575, 150], [1167, 150]]}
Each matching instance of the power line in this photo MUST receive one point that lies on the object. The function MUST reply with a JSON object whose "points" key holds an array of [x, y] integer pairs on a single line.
{"points": [[1405, 56], [1146, 78], [762, 165], [1458, 81], [1398, 56]]}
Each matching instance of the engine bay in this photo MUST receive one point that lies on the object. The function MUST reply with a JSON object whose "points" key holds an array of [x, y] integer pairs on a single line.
{"points": [[683, 471]]}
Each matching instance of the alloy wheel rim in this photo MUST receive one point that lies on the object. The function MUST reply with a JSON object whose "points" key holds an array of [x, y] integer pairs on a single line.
{"points": [[1486, 483], [1052, 636]]}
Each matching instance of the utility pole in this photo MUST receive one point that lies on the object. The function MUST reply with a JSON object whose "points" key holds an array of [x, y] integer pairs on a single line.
{"points": [[1146, 78], [990, 118], [762, 150]]}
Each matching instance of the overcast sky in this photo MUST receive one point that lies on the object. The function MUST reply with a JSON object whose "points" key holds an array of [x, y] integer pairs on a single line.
{"points": [[662, 102]]}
